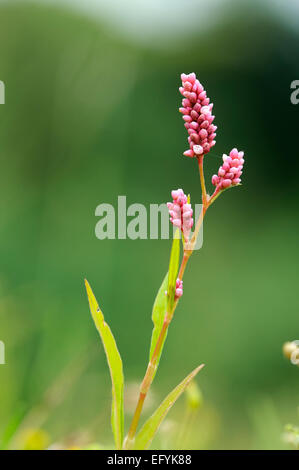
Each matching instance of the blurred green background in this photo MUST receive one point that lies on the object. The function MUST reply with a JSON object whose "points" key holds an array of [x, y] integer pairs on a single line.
{"points": [[91, 113]]}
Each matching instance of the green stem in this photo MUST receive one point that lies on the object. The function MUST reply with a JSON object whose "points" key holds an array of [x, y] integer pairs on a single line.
{"points": [[214, 196], [202, 182], [148, 378], [151, 368], [187, 254]]}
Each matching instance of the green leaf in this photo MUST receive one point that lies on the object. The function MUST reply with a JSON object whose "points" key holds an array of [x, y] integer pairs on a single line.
{"points": [[173, 270], [115, 367], [13, 426], [158, 314], [149, 429], [164, 302]]}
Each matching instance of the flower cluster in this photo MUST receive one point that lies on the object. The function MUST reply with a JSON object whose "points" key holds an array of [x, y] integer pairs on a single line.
{"points": [[230, 171], [197, 114], [178, 289], [180, 212]]}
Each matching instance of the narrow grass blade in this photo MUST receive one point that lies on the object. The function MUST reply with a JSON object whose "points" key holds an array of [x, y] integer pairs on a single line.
{"points": [[13, 425], [158, 314], [149, 429], [115, 367], [164, 302], [173, 270]]}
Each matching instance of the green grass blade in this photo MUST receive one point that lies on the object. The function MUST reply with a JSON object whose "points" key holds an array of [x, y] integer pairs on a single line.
{"points": [[149, 429], [173, 270], [162, 301], [158, 314], [115, 367], [12, 427]]}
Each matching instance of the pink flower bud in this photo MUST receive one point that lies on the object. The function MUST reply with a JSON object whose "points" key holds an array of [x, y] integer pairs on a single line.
{"points": [[215, 180], [226, 183], [189, 153], [197, 149]]}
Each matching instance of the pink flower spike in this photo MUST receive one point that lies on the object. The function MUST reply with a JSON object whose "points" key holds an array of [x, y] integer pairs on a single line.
{"points": [[230, 171], [180, 211], [197, 114]]}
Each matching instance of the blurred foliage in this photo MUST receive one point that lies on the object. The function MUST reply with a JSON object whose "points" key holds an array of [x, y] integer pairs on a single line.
{"points": [[194, 397], [91, 115], [34, 439], [292, 435]]}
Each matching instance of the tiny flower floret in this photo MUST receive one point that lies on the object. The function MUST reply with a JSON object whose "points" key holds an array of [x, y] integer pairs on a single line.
{"points": [[178, 289], [180, 212], [229, 174], [197, 114]]}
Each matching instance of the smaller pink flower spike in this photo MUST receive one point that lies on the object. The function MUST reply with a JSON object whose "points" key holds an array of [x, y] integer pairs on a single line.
{"points": [[197, 115], [178, 289], [181, 212], [229, 173]]}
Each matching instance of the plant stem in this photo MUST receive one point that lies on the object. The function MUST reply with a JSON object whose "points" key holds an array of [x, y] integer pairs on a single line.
{"points": [[130, 437], [202, 182], [214, 196], [187, 254], [148, 378], [151, 368]]}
